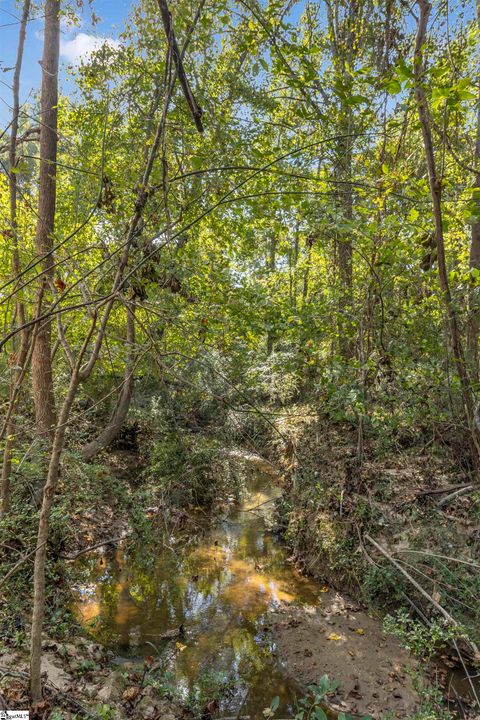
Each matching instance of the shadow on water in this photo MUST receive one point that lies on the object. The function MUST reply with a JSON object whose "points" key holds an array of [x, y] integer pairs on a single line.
{"points": [[220, 590]]}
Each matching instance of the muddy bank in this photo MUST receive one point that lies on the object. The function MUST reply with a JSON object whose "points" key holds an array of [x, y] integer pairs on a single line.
{"points": [[339, 639]]}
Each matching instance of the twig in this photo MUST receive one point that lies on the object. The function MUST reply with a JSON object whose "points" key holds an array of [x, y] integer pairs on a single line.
{"points": [[66, 697], [462, 561], [265, 502], [469, 678], [19, 563]]}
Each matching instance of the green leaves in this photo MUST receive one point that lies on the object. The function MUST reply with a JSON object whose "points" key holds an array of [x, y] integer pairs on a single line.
{"points": [[453, 95], [393, 86]]}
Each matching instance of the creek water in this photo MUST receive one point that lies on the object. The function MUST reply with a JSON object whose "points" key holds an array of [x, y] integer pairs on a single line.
{"points": [[219, 591]]}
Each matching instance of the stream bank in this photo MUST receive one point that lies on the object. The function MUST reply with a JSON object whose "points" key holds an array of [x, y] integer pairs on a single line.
{"points": [[228, 622], [405, 498], [219, 618]]}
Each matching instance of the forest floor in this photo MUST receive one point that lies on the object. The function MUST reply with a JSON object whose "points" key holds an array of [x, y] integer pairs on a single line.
{"points": [[328, 505], [419, 503]]}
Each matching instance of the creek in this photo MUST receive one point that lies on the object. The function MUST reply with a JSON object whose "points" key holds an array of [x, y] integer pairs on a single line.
{"points": [[218, 591]]}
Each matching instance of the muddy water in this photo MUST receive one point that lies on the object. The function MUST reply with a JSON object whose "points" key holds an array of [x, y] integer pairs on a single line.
{"points": [[220, 590]]}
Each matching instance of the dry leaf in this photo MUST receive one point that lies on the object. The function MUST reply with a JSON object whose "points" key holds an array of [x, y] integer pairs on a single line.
{"points": [[324, 589], [131, 693], [180, 647], [360, 631], [333, 636]]}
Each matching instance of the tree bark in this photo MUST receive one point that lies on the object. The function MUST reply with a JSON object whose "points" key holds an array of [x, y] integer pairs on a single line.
{"points": [[436, 196], [343, 33], [177, 55], [272, 264], [42, 379], [21, 355], [42, 538], [111, 431], [473, 328]]}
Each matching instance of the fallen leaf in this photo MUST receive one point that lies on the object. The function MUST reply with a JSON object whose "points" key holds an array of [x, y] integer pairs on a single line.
{"points": [[360, 631], [131, 693], [324, 589], [333, 636], [180, 646]]}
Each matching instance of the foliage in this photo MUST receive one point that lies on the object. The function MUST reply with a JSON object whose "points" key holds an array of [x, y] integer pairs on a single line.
{"points": [[288, 254], [189, 470], [313, 705], [423, 641]]}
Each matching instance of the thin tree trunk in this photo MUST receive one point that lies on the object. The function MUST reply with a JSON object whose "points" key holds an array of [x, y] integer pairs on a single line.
{"points": [[473, 328], [80, 373], [42, 538], [42, 379], [21, 356], [436, 195], [272, 263], [308, 264], [111, 431], [343, 33]]}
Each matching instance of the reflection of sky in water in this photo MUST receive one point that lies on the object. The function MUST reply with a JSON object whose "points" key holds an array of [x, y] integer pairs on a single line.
{"points": [[220, 590]]}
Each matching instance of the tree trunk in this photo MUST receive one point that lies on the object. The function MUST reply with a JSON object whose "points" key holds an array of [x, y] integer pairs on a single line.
{"points": [[42, 537], [42, 379], [80, 373], [345, 267], [343, 33], [110, 432], [436, 195], [272, 264], [21, 355], [475, 240]]}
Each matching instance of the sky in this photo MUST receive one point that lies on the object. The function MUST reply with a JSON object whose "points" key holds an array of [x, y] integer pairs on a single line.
{"points": [[76, 41]]}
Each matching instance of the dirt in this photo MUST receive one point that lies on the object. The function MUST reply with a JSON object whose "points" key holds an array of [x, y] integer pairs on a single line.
{"points": [[80, 677], [339, 639]]}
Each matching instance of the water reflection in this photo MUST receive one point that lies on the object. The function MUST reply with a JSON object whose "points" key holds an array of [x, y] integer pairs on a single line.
{"points": [[220, 591]]}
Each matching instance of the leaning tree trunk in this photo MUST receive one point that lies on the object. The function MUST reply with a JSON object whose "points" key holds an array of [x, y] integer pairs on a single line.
{"points": [[20, 356], [111, 431], [42, 379], [436, 195]]}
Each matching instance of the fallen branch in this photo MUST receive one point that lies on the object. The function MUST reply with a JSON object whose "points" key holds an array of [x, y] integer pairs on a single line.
{"points": [[420, 589], [94, 547], [441, 490], [463, 491]]}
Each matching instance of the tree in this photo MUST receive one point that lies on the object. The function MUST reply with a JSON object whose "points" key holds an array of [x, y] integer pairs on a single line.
{"points": [[42, 377], [19, 355]]}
